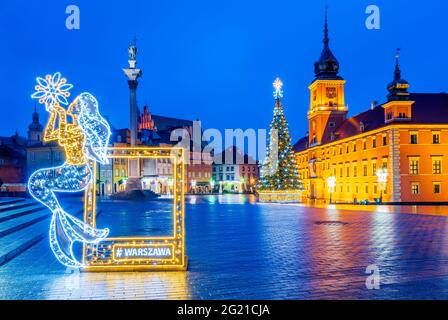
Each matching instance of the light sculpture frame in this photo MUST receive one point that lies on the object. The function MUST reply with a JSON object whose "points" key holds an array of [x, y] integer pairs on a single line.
{"points": [[103, 256]]}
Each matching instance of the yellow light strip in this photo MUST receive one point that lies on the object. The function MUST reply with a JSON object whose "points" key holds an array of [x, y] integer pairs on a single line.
{"points": [[179, 179]]}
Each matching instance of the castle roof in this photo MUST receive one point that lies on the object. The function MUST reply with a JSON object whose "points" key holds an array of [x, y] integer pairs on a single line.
{"points": [[428, 108]]}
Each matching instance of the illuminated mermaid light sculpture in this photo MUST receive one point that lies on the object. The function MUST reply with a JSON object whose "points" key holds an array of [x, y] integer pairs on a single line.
{"points": [[85, 139]]}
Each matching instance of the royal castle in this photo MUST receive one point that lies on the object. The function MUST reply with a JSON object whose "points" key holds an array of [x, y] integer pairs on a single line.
{"points": [[407, 135]]}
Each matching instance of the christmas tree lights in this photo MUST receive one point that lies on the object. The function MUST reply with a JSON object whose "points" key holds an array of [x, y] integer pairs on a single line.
{"points": [[85, 139], [279, 171]]}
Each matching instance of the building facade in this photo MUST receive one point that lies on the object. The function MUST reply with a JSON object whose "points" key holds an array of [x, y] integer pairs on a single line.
{"points": [[407, 136], [12, 164], [234, 171]]}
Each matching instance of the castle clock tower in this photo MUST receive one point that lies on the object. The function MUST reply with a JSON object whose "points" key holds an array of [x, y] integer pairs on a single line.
{"points": [[327, 102]]}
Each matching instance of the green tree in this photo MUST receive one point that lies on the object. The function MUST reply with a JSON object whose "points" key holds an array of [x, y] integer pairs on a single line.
{"points": [[279, 170]]}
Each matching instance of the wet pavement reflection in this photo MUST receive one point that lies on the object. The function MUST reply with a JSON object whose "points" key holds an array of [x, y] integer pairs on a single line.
{"points": [[240, 249]]}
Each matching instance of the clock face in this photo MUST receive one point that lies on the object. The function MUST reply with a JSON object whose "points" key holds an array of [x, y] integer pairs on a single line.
{"points": [[331, 93]]}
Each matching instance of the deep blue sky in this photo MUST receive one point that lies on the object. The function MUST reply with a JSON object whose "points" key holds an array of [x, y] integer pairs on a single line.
{"points": [[216, 60]]}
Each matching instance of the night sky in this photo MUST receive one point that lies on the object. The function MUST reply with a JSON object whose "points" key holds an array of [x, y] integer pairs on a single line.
{"points": [[216, 60]]}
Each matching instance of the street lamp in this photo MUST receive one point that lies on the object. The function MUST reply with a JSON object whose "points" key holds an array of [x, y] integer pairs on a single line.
{"points": [[242, 183], [382, 181], [331, 182], [212, 185], [193, 186]]}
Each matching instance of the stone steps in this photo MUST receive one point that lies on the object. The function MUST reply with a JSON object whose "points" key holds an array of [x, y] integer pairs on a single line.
{"points": [[14, 225], [23, 228], [17, 242], [16, 205], [16, 213], [6, 201]]}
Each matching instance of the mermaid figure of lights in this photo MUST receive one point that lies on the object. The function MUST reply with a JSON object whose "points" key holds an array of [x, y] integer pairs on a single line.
{"points": [[84, 135]]}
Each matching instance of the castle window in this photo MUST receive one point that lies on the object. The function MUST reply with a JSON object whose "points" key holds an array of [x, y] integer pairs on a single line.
{"points": [[436, 165], [364, 166], [332, 124], [435, 137], [374, 168], [375, 188], [364, 144], [374, 142], [348, 171], [436, 187], [366, 188], [384, 163], [414, 137], [415, 188], [413, 165], [355, 170], [354, 147], [384, 140]]}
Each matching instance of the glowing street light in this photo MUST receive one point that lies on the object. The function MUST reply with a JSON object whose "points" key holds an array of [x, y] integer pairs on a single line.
{"points": [[193, 186], [212, 185], [382, 181], [331, 182]]}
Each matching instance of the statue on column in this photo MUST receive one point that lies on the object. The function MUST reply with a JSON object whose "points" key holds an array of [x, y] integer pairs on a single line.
{"points": [[132, 50]]}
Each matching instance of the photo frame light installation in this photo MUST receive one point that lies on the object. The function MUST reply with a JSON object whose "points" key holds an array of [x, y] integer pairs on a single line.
{"points": [[136, 253], [84, 135]]}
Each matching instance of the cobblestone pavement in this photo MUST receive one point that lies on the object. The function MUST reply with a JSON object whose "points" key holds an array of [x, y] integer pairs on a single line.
{"points": [[241, 250]]}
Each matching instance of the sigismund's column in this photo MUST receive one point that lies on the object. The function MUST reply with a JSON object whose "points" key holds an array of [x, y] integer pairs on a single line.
{"points": [[132, 74]]}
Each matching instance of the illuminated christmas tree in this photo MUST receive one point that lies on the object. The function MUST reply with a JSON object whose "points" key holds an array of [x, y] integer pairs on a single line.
{"points": [[279, 170]]}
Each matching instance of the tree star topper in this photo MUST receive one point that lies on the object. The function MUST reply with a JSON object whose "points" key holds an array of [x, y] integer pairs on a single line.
{"points": [[278, 85]]}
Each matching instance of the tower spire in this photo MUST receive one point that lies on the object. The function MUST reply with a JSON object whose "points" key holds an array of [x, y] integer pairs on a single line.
{"points": [[397, 65], [327, 67], [326, 39], [398, 88]]}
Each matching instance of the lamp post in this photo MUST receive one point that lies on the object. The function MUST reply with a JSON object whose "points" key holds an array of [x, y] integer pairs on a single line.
{"points": [[193, 186], [331, 182], [252, 184], [212, 185], [242, 184], [382, 181]]}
